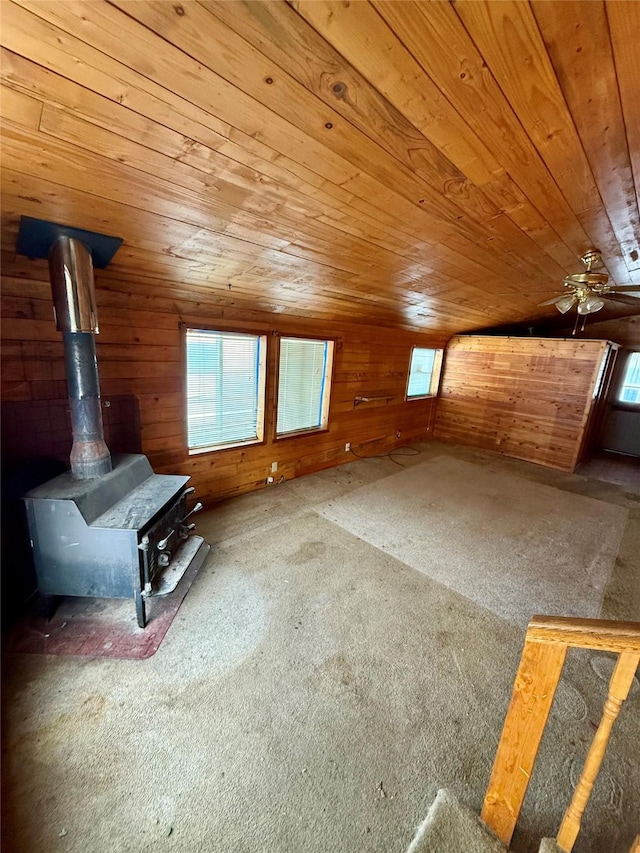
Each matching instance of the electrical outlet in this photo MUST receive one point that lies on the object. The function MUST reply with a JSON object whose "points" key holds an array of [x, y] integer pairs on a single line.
{"points": [[274, 467], [269, 481], [347, 447]]}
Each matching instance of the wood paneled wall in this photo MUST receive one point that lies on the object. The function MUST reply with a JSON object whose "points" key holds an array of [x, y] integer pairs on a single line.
{"points": [[140, 352], [525, 397]]}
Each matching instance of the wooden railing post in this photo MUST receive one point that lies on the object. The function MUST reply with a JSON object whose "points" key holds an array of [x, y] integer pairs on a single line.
{"points": [[533, 691], [619, 687], [547, 641]]}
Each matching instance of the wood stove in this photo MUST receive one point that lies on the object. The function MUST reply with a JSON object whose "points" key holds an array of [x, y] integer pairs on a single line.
{"points": [[123, 535], [109, 527]]}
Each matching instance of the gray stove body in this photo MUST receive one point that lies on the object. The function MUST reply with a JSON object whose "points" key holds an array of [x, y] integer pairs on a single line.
{"points": [[109, 527], [122, 535]]}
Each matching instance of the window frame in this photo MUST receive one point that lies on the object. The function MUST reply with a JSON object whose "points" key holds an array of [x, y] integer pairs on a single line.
{"points": [[617, 402], [328, 381], [263, 355], [434, 385]]}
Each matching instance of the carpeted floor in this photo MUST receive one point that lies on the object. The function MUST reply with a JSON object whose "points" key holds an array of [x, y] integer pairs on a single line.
{"points": [[514, 547], [314, 691], [99, 627], [614, 468]]}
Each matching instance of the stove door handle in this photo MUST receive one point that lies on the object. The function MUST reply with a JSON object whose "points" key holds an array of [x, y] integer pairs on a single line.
{"points": [[196, 508], [162, 544]]}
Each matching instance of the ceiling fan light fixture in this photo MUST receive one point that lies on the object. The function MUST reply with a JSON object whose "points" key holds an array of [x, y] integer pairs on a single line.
{"points": [[588, 279], [589, 291], [593, 303], [589, 305], [566, 303]]}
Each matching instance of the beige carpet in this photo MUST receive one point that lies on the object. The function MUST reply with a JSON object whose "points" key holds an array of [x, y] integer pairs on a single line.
{"points": [[312, 694], [515, 547]]}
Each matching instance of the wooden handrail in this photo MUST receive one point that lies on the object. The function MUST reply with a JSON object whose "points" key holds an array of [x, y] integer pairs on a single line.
{"points": [[546, 644], [598, 634]]}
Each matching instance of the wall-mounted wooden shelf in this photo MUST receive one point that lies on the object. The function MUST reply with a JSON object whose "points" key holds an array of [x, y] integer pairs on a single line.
{"points": [[380, 399]]}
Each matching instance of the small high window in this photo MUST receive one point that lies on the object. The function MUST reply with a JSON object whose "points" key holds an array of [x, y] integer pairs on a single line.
{"points": [[630, 387], [424, 372], [225, 389], [304, 381]]}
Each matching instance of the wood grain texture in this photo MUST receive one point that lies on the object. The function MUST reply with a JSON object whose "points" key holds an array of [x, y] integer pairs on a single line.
{"points": [[533, 692], [586, 72], [624, 18], [603, 634], [390, 173], [547, 640], [529, 398], [140, 352], [435, 167], [509, 38]]}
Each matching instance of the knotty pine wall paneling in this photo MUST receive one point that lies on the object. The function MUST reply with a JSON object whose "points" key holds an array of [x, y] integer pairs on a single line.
{"points": [[529, 398], [141, 353]]}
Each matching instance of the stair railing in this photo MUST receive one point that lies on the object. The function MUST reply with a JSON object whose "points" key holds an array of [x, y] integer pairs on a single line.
{"points": [[545, 649]]}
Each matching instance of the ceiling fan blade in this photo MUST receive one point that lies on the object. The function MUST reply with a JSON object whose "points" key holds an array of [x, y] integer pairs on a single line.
{"points": [[626, 287], [552, 301], [625, 298]]}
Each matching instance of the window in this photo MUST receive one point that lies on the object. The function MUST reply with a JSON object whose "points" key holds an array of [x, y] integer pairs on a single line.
{"points": [[424, 372], [304, 380], [225, 389], [630, 387]]}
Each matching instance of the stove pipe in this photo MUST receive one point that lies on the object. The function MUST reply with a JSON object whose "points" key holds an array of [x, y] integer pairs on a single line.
{"points": [[71, 271]]}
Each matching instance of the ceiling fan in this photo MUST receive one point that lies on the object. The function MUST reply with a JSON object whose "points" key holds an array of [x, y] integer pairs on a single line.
{"points": [[589, 290]]}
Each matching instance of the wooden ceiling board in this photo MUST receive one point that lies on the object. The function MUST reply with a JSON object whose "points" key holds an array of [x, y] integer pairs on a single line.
{"points": [[624, 19], [285, 38], [448, 55], [576, 39], [54, 38], [194, 244], [364, 37], [385, 186], [155, 137], [382, 162], [508, 36]]}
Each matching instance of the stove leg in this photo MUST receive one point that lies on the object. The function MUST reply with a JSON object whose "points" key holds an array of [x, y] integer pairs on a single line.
{"points": [[141, 610], [49, 605]]}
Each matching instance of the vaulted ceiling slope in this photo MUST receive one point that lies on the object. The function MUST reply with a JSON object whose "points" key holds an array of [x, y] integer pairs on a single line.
{"points": [[425, 164]]}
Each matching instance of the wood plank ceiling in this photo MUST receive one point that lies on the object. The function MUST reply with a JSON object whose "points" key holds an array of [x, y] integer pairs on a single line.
{"points": [[432, 165]]}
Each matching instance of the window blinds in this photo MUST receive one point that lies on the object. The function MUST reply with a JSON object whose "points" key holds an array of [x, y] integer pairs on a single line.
{"points": [[420, 372], [301, 384], [224, 388]]}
